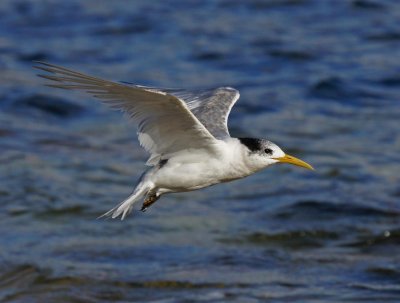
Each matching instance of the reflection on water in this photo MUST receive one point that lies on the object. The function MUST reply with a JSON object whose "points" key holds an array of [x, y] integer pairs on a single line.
{"points": [[320, 78]]}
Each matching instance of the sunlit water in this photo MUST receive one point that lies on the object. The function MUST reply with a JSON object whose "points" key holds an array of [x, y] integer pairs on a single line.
{"points": [[319, 78]]}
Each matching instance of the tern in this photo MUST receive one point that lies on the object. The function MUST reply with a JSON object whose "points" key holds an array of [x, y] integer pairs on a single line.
{"points": [[184, 131]]}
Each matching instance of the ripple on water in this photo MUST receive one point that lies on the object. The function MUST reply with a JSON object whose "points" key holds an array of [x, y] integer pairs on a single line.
{"points": [[294, 55], [299, 239], [389, 272], [337, 89], [313, 209], [367, 4], [384, 242], [21, 282], [391, 81], [51, 105]]}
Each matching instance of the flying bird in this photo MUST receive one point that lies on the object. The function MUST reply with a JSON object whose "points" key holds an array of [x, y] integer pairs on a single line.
{"points": [[184, 131]]}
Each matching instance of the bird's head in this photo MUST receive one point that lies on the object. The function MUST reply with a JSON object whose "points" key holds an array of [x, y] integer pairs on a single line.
{"points": [[262, 153]]}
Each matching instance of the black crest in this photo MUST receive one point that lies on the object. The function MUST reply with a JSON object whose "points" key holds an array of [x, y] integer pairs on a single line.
{"points": [[251, 143]]}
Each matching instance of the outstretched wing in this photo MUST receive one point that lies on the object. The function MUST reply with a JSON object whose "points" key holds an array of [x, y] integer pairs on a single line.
{"points": [[211, 106], [165, 123]]}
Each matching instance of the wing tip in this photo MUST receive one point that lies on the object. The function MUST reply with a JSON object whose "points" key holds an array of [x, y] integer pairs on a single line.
{"points": [[41, 64]]}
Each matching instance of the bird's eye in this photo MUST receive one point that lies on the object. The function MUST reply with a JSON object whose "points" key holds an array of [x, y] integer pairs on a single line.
{"points": [[268, 151]]}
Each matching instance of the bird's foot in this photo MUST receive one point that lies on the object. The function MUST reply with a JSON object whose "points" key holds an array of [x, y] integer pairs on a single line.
{"points": [[149, 201]]}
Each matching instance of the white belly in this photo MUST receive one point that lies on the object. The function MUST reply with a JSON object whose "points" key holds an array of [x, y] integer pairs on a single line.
{"points": [[186, 177], [190, 170], [192, 174]]}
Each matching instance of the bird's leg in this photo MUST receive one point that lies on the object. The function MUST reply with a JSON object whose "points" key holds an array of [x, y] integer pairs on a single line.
{"points": [[149, 201]]}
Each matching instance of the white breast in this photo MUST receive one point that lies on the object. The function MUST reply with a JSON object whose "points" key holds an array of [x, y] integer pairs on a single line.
{"points": [[194, 169]]}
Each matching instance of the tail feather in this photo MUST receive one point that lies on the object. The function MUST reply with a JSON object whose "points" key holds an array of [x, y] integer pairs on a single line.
{"points": [[125, 207]]}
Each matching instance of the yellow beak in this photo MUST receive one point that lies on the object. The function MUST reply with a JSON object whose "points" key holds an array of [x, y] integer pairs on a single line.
{"points": [[294, 161]]}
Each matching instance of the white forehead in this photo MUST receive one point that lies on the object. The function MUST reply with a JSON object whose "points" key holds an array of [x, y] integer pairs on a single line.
{"points": [[276, 150]]}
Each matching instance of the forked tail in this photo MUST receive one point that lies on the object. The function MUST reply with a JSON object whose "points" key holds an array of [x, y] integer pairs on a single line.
{"points": [[125, 207]]}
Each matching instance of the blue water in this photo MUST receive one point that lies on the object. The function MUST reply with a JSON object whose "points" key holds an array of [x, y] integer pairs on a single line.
{"points": [[321, 78]]}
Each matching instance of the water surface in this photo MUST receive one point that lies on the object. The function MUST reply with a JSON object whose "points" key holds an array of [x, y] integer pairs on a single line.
{"points": [[319, 78]]}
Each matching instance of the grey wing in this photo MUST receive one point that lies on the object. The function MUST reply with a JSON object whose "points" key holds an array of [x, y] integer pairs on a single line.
{"points": [[211, 107], [165, 123]]}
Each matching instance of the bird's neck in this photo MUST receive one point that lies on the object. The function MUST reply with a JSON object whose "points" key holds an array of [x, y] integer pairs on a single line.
{"points": [[241, 164]]}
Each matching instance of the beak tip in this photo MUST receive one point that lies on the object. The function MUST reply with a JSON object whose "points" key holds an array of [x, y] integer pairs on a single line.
{"points": [[310, 167], [295, 161]]}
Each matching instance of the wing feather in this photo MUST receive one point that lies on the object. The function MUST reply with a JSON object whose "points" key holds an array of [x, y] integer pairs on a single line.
{"points": [[165, 122], [211, 107]]}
